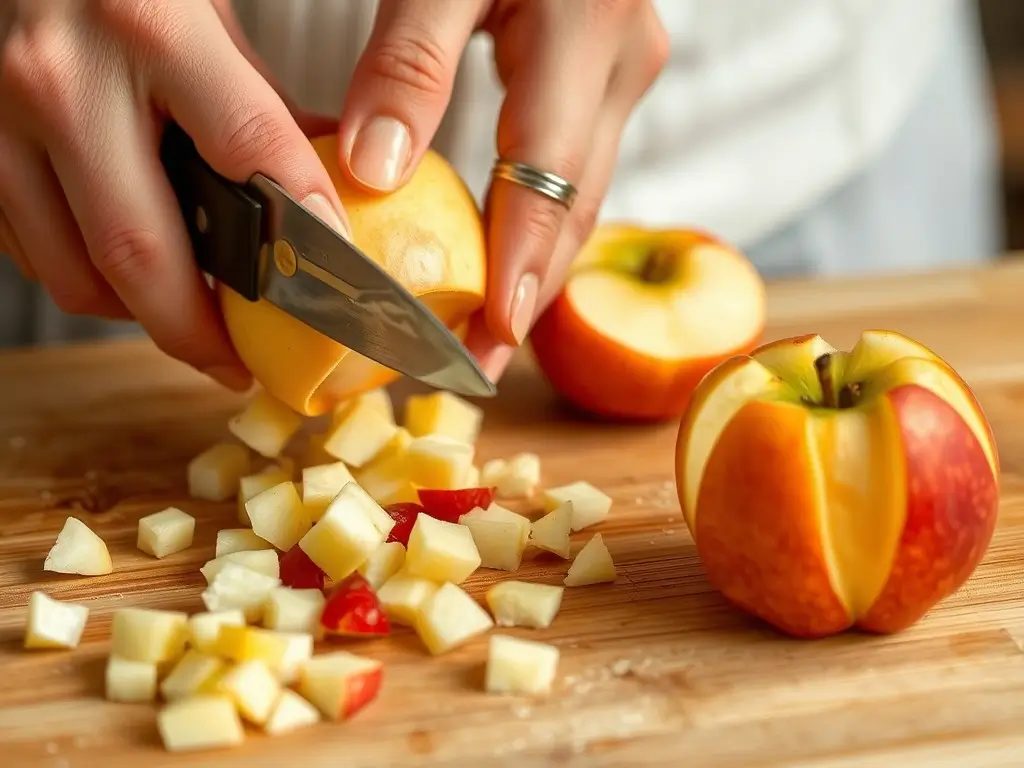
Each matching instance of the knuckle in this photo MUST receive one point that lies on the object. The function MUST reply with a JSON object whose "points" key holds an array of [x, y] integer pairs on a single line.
{"points": [[151, 25], [39, 68], [128, 256], [253, 135], [185, 343], [414, 59], [583, 219], [542, 221]]}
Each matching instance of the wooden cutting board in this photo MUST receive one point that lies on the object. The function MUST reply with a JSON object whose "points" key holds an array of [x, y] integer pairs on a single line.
{"points": [[656, 669]]}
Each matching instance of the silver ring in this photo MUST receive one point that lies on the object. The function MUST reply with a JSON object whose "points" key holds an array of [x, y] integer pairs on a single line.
{"points": [[547, 184]]}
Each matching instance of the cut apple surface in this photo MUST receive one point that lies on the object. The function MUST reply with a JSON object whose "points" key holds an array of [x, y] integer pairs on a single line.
{"points": [[204, 628], [247, 643], [52, 623], [279, 516], [165, 533], [321, 484], [516, 477], [347, 534], [196, 672], [253, 688], [361, 436], [241, 588], [450, 505], [439, 462], [385, 562], [402, 597], [290, 713], [592, 565], [215, 474], [826, 490], [500, 544], [231, 540], [449, 618], [129, 680], [518, 666], [442, 413], [441, 551], [202, 722], [499, 514], [590, 506], [263, 561], [524, 604], [376, 399], [145, 634], [294, 610], [78, 550], [251, 486], [551, 532], [340, 684], [266, 425], [353, 610], [299, 572]]}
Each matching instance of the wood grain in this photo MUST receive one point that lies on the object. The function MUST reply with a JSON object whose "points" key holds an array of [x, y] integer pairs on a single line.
{"points": [[656, 669]]}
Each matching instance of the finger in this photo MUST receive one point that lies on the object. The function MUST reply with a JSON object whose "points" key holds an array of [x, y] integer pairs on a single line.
{"points": [[401, 87], [11, 248]]}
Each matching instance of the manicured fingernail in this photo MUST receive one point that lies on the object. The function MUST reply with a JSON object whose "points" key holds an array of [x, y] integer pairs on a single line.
{"points": [[524, 304], [380, 153], [230, 377], [495, 363], [318, 205]]}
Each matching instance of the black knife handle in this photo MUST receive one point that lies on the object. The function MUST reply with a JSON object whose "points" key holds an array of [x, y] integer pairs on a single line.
{"points": [[225, 221]]}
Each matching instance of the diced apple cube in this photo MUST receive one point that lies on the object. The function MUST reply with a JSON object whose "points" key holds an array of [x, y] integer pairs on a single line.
{"points": [[385, 562], [266, 425], [442, 413], [263, 561], [499, 514], [441, 551], [253, 688], [589, 505], [291, 712], [520, 666], [347, 534], [394, 491], [450, 618], [144, 634], [499, 543], [129, 681], [52, 623], [204, 628], [339, 684], [551, 532], [232, 540], [523, 604], [78, 550], [376, 399], [438, 462], [165, 533], [294, 610], [200, 723], [196, 672], [473, 477], [238, 587], [361, 436], [214, 475], [492, 473], [251, 486], [521, 476], [279, 516], [321, 484], [299, 650], [251, 644], [402, 597], [592, 565]]}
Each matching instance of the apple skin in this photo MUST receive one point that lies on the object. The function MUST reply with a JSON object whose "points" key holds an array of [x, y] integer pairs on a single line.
{"points": [[360, 690], [450, 505], [353, 610], [299, 572], [774, 551], [606, 378]]}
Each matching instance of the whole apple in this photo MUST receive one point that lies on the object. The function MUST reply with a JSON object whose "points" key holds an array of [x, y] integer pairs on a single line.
{"points": [[827, 490], [644, 315]]}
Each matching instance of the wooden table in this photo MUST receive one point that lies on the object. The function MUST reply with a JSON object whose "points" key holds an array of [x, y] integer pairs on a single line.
{"points": [[656, 669]]}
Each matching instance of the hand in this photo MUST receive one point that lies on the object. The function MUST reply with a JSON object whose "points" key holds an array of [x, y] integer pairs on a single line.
{"points": [[573, 72], [86, 207]]}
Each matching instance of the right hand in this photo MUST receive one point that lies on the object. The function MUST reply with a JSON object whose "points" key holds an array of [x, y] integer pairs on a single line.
{"points": [[85, 207]]}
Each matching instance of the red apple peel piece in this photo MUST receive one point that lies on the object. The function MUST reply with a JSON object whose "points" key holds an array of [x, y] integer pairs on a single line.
{"points": [[404, 513], [353, 610], [299, 572], [451, 505]]}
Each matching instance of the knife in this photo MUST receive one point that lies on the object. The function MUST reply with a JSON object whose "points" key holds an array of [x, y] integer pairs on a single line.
{"points": [[257, 240]]}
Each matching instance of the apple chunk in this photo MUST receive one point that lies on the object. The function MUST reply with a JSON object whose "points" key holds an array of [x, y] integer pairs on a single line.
{"points": [[78, 550], [517, 666], [130, 681], [451, 505], [294, 610], [214, 475], [238, 587], [376, 399], [361, 436], [339, 684], [253, 688], [551, 532], [441, 551], [592, 565], [251, 486], [320, 484], [589, 505], [266, 425], [263, 561], [291, 712], [196, 672], [499, 543], [516, 477], [54, 624], [522, 604], [385, 562], [353, 610], [449, 618], [438, 462], [279, 516], [204, 628], [347, 534], [165, 533], [144, 634], [402, 597], [442, 413], [231, 540], [200, 723], [299, 572]]}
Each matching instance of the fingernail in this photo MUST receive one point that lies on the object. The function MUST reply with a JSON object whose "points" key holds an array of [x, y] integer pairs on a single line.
{"points": [[524, 304], [380, 153], [318, 205], [230, 377], [495, 363]]}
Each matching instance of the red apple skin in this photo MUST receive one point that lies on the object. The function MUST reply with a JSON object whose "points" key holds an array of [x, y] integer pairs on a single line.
{"points": [[353, 610], [360, 691], [299, 572], [404, 513], [451, 505]]}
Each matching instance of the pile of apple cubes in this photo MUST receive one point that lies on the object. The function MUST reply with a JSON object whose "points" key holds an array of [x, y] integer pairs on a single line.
{"points": [[396, 517]]}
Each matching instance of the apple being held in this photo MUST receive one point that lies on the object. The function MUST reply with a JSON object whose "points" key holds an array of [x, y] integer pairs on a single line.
{"points": [[644, 315], [827, 490]]}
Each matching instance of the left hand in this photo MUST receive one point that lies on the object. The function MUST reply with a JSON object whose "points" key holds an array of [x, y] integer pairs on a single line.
{"points": [[573, 72]]}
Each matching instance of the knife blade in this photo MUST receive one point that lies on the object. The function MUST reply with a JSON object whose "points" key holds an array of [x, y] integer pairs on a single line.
{"points": [[259, 241]]}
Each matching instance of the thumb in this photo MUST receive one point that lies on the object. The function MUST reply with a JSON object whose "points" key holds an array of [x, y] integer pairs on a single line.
{"points": [[401, 87]]}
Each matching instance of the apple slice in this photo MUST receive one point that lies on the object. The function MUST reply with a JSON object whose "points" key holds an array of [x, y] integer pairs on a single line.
{"points": [[353, 610], [500, 544], [263, 561], [266, 425], [251, 486], [54, 624], [450, 505], [449, 618], [127, 680], [517, 666], [404, 514], [523, 604], [361, 435], [441, 551], [436, 461], [551, 532], [402, 597], [238, 587], [340, 684], [442, 413], [294, 610], [385, 562], [347, 534], [253, 688], [231, 540], [589, 505], [321, 484], [204, 628], [145, 634], [593, 565], [78, 550], [196, 672], [299, 572], [214, 474], [165, 533], [290, 713], [279, 516], [200, 723]]}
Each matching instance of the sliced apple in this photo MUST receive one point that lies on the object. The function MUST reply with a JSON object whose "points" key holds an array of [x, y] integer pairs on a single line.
{"points": [[266, 425], [440, 462], [451, 505], [402, 597], [204, 628], [360, 436], [385, 562], [200, 722], [165, 533], [253, 688], [441, 551], [279, 516], [524, 604], [232, 540], [128, 680], [238, 587], [52, 623], [450, 618], [145, 634], [340, 684], [251, 486], [294, 610], [263, 561], [442, 413], [551, 532], [299, 572], [590, 506], [291, 712], [78, 550], [215, 474], [347, 534], [592, 565], [353, 610], [196, 672], [518, 666], [321, 484]]}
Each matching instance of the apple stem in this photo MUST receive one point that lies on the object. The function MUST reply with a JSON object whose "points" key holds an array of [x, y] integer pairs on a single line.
{"points": [[831, 396], [658, 267]]}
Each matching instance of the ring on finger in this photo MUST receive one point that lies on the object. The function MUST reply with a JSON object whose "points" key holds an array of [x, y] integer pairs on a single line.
{"points": [[542, 182]]}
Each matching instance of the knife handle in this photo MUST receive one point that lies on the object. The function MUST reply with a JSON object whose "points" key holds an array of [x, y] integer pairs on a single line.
{"points": [[225, 220]]}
